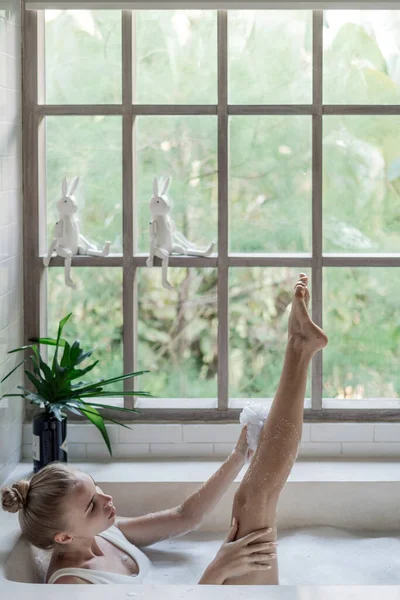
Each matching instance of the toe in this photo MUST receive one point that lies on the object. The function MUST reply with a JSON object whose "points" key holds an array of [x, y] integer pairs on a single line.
{"points": [[299, 291]]}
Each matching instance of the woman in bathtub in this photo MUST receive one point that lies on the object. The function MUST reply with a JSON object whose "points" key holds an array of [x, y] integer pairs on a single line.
{"points": [[63, 509]]}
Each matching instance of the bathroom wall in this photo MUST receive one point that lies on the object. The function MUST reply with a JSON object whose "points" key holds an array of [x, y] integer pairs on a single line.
{"points": [[11, 279], [328, 440]]}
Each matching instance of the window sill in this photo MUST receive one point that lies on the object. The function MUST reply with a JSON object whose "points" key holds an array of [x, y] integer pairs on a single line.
{"points": [[157, 403], [351, 494], [305, 470]]}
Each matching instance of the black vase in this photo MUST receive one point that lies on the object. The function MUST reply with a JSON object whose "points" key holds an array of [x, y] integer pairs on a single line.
{"points": [[49, 440]]}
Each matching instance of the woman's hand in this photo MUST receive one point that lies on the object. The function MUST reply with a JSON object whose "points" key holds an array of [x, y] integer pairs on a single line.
{"points": [[242, 447], [236, 558]]}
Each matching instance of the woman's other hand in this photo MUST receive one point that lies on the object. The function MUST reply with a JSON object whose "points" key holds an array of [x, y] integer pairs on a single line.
{"points": [[239, 557]]}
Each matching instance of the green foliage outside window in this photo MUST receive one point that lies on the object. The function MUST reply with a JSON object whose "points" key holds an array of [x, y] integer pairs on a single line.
{"points": [[270, 192]]}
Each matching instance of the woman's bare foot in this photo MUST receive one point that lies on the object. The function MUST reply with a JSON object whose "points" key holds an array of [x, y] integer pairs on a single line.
{"points": [[303, 332]]}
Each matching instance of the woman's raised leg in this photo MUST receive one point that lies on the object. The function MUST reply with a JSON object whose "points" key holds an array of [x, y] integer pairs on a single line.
{"points": [[255, 502]]}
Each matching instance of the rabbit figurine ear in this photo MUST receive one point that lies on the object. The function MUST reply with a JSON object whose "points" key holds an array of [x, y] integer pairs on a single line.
{"points": [[155, 186], [165, 186], [73, 186], [64, 186]]}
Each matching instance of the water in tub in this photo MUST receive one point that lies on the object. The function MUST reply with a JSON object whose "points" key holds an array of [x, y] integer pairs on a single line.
{"points": [[319, 555], [308, 556]]}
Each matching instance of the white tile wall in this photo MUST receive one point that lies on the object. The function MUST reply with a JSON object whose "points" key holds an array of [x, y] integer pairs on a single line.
{"points": [[11, 280], [338, 440], [211, 433], [158, 433], [342, 432]]}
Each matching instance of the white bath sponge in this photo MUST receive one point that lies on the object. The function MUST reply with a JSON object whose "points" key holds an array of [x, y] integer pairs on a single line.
{"points": [[253, 415]]}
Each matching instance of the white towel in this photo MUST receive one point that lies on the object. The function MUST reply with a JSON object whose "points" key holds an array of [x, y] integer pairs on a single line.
{"points": [[253, 415]]}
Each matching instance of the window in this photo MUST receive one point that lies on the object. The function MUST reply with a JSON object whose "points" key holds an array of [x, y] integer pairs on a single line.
{"points": [[280, 131]]}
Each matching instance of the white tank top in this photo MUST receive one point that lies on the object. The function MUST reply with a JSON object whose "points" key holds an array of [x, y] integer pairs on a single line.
{"points": [[114, 535]]}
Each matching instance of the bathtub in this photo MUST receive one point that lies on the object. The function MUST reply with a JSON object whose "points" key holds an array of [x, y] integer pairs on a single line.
{"points": [[333, 530]]}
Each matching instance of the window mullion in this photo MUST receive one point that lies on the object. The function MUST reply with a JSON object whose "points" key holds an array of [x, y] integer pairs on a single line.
{"points": [[129, 299], [316, 368], [222, 268], [34, 275]]}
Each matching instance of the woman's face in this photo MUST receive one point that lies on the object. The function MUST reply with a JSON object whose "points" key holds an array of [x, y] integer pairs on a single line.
{"points": [[90, 510]]}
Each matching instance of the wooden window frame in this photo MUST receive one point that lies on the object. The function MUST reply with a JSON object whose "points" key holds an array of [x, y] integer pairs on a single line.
{"points": [[35, 274]]}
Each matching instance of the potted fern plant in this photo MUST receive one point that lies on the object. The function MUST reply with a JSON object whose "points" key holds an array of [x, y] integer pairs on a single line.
{"points": [[56, 393]]}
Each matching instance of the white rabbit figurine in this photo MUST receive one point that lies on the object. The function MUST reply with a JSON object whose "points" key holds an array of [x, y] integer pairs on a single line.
{"points": [[164, 237], [67, 239]]}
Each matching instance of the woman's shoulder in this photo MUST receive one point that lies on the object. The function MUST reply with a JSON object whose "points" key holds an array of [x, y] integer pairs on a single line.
{"points": [[67, 578], [57, 565], [70, 579]]}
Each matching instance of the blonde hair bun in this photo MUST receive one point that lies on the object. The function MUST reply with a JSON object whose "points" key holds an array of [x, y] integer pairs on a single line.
{"points": [[15, 497]]}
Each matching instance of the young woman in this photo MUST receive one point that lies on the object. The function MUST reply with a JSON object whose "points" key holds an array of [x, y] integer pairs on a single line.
{"points": [[63, 509]]}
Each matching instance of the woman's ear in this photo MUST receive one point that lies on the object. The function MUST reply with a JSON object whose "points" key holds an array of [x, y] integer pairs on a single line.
{"points": [[63, 538]]}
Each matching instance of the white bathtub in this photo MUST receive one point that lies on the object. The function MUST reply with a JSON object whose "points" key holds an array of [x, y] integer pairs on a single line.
{"points": [[322, 549]]}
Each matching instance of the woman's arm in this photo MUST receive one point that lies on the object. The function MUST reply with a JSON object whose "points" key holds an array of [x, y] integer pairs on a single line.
{"points": [[199, 504], [155, 527], [172, 522], [212, 576]]}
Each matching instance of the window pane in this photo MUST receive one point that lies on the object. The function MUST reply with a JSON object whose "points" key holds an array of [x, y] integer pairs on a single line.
{"points": [[361, 60], [83, 56], [361, 318], [91, 148], [259, 307], [176, 56], [185, 149], [361, 183], [269, 56], [270, 183], [177, 333], [96, 321]]}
